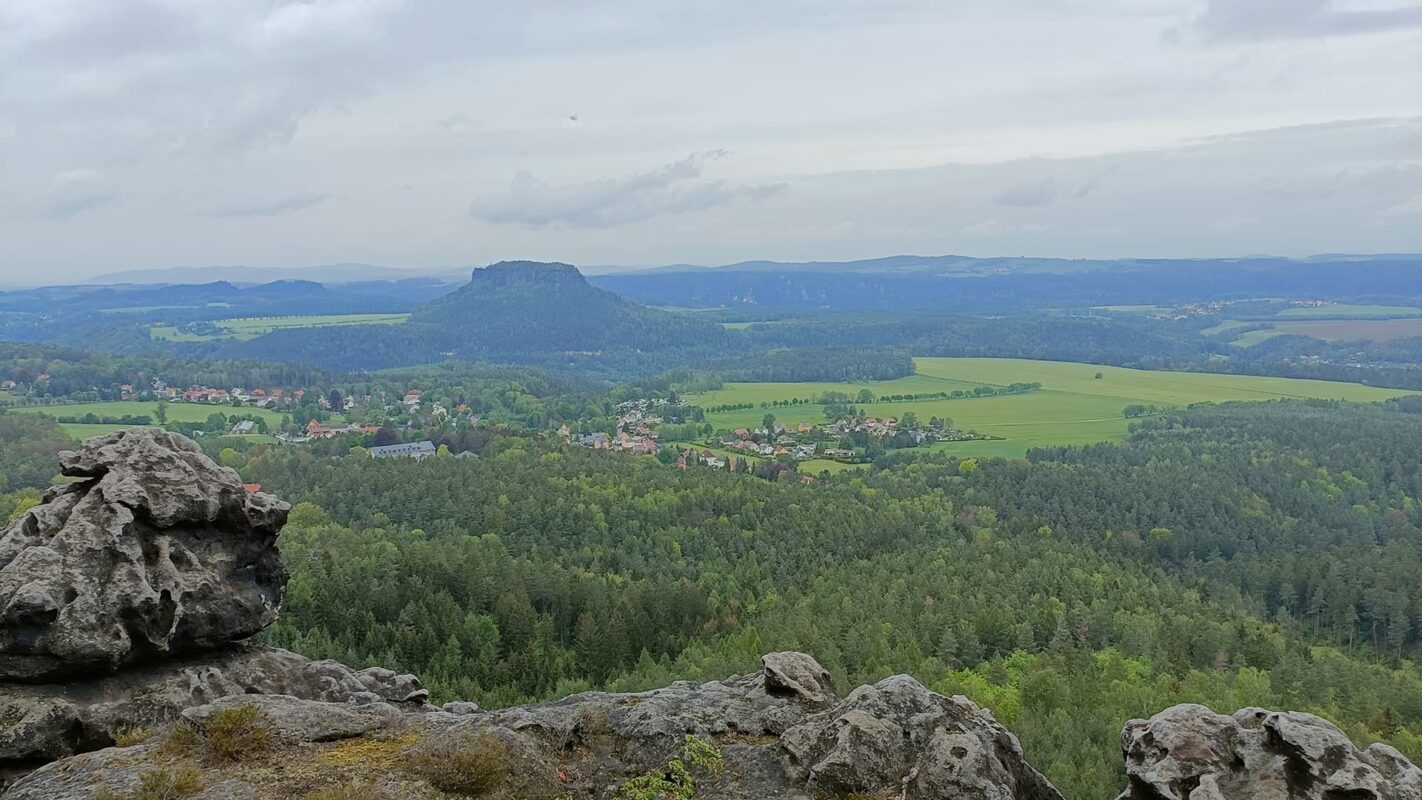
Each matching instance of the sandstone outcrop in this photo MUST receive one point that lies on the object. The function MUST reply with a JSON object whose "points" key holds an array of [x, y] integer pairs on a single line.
{"points": [[154, 551], [126, 596], [893, 739], [1189, 751]]}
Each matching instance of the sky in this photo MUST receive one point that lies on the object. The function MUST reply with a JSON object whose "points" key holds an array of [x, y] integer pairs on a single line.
{"points": [[438, 134]]}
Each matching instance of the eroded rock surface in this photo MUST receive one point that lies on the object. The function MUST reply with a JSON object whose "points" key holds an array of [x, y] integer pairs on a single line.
{"points": [[155, 551], [1189, 751], [44, 722], [898, 737], [893, 739]]}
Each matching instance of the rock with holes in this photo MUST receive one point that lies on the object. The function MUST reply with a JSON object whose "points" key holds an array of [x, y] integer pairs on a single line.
{"points": [[41, 722], [1189, 751], [897, 738], [153, 551]]}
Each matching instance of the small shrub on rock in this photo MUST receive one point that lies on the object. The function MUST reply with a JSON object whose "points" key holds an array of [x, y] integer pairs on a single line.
{"points": [[237, 733], [463, 764], [130, 735], [233, 734], [675, 780], [355, 790], [163, 783]]}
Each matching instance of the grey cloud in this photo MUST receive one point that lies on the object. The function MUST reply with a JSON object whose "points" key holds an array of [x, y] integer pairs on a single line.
{"points": [[1030, 194], [1263, 19], [286, 205], [675, 188], [73, 206], [1043, 192], [74, 192]]}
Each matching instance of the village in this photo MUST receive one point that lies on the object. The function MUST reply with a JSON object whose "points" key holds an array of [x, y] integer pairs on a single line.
{"points": [[851, 439]]}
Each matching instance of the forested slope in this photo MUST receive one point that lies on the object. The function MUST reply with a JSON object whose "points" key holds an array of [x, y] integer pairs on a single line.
{"points": [[1236, 555]]}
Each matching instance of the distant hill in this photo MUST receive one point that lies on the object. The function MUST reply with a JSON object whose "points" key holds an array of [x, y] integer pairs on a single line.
{"points": [[324, 273], [959, 284], [512, 312], [523, 305]]}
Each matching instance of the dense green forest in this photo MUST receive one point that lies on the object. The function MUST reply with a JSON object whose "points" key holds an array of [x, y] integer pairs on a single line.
{"points": [[1233, 555], [1253, 553]]}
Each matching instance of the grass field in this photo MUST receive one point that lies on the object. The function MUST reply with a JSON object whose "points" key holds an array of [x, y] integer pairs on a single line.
{"points": [[1251, 338], [1336, 310], [1228, 326], [1377, 330], [177, 412], [244, 328], [1073, 406]]}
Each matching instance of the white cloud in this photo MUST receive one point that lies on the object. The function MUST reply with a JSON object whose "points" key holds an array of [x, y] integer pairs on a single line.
{"points": [[675, 188], [1244, 19], [993, 227], [299, 201], [75, 191]]}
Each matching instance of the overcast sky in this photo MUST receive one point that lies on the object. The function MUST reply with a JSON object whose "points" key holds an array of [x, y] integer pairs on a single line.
{"points": [[443, 133]]}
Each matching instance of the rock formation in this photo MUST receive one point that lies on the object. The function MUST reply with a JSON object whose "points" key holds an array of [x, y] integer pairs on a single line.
{"points": [[125, 597], [153, 551], [893, 739], [1189, 751]]}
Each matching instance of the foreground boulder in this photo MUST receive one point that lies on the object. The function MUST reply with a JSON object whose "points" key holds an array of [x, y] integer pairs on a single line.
{"points": [[154, 551], [43, 722], [1189, 751], [125, 597], [779, 737]]}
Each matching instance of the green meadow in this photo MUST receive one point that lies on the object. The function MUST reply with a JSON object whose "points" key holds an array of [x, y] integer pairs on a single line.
{"points": [[251, 327], [1072, 407], [1336, 310], [177, 412]]}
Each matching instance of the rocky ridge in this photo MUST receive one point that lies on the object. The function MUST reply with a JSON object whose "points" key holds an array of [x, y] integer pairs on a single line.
{"points": [[125, 600]]}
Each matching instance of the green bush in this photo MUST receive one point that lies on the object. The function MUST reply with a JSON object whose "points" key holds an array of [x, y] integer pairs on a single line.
{"points": [[163, 783], [675, 781], [463, 764], [355, 790]]}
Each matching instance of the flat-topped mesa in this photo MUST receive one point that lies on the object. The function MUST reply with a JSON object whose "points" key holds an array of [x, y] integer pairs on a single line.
{"points": [[154, 552]]}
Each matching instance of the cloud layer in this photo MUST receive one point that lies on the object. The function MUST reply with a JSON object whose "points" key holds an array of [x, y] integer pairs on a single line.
{"points": [[147, 133], [675, 188]]}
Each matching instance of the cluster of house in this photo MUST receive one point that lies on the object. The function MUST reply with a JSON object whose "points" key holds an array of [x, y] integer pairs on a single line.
{"points": [[773, 442], [320, 430], [260, 397], [635, 422], [877, 428], [641, 444], [706, 458]]}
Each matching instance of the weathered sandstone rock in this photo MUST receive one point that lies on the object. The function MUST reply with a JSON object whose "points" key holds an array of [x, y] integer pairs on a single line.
{"points": [[1189, 751], [154, 552]]}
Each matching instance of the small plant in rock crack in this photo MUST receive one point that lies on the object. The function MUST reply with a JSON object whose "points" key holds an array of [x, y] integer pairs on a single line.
{"points": [[676, 780]]}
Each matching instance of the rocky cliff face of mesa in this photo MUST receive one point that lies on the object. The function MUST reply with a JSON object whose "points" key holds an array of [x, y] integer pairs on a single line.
{"points": [[126, 599]]}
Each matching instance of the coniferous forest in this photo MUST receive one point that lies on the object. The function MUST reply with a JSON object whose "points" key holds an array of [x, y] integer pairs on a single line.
{"points": [[1250, 554]]}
